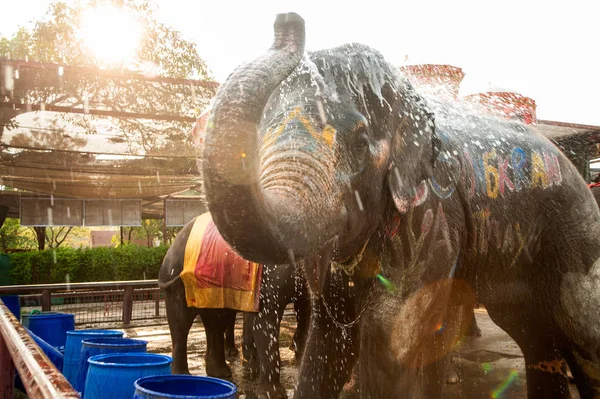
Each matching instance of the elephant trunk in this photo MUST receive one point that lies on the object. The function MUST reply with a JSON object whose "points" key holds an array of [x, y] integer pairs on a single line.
{"points": [[246, 215]]}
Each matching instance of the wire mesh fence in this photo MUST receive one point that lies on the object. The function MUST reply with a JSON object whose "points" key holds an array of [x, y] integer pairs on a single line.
{"points": [[104, 306]]}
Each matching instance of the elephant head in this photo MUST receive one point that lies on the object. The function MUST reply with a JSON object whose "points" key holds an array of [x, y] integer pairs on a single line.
{"points": [[306, 152]]}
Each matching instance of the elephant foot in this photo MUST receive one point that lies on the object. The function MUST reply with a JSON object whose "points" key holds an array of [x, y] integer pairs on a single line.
{"points": [[218, 371], [252, 367], [232, 353], [473, 330], [177, 369], [272, 391]]}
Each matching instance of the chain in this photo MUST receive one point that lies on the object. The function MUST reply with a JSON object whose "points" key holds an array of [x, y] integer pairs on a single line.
{"points": [[350, 272], [357, 319]]}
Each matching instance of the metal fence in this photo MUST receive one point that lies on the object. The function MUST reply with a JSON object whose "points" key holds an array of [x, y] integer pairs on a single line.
{"points": [[99, 302]]}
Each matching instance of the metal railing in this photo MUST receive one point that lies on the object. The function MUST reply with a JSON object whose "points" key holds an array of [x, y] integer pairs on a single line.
{"points": [[40, 377], [97, 302]]}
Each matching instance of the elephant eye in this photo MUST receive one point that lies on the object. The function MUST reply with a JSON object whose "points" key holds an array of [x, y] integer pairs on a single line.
{"points": [[361, 144]]}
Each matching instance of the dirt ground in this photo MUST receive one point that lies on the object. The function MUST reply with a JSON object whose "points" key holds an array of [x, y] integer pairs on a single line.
{"points": [[490, 366]]}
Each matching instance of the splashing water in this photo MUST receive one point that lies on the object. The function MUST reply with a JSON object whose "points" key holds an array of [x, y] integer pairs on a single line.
{"points": [[358, 200], [512, 376], [387, 283]]}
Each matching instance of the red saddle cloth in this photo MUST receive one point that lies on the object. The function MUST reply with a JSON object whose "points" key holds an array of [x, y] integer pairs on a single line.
{"points": [[214, 275]]}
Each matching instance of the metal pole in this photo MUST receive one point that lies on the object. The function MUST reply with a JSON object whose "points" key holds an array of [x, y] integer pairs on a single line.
{"points": [[7, 371], [39, 376]]}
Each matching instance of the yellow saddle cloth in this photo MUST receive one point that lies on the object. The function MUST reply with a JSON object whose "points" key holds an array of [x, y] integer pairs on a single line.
{"points": [[214, 275]]}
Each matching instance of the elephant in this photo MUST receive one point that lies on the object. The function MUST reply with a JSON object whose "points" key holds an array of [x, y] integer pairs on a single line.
{"points": [[405, 211], [280, 285]]}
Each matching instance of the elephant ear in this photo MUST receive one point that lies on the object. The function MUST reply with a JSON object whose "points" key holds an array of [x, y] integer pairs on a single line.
{"points": [[414, 145]]}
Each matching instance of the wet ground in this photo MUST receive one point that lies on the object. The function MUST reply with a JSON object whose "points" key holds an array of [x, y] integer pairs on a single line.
{"points": [[490, 366]]}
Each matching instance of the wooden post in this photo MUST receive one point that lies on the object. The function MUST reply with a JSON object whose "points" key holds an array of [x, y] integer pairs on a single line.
{"points": [[46, 301], [7, 372], [127, 305], [157, 303]]}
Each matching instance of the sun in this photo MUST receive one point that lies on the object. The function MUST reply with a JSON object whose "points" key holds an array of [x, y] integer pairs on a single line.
{"points": [[111, 34]]}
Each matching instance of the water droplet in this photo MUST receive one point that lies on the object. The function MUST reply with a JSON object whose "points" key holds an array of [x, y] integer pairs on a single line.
{"points": [[358, 200]]}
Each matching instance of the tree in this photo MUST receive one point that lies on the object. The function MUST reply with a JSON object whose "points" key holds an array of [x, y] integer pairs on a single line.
{"points": [[14, 236], [149, 230], [57, 235], [163, 50], [40, 234]]}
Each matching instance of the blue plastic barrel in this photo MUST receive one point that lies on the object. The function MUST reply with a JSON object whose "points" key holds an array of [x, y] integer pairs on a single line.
{"points": [[25, 317], [13, 303], [113, 376], [52, 328], [100, 346], [54, 355], [177, 386], [73, 349]]}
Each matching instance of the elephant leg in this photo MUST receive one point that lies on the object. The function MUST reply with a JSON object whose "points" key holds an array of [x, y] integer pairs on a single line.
{"points": [[266, 336], [180, 318], [302, 309], [546, 368], [215, 322], [331, 349], [586, 372], [249, 353], [230, 349], [470, 329], [473, 330]]}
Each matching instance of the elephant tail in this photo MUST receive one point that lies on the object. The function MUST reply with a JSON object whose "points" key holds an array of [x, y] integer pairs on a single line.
{"points": [[166, 285]]}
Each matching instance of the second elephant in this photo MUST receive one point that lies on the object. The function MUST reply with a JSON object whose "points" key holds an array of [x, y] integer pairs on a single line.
{"points": [[280, 285]]}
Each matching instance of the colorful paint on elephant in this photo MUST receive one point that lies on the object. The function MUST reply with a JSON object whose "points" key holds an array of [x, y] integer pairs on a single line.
{"points": [[327, 135], [494, 173], [214, 275], [512, 239]]}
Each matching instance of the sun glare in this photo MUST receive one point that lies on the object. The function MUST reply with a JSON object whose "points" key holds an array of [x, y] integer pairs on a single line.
{"points": [[111, 34]]}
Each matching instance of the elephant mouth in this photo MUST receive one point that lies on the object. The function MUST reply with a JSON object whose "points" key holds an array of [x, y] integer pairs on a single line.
{"points": [[317, 266]]}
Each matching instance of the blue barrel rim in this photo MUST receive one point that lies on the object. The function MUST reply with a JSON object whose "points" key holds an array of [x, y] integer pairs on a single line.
{"points": [[162, 378], [94, 331], [132, 342], [97, 360], [51, 316]]}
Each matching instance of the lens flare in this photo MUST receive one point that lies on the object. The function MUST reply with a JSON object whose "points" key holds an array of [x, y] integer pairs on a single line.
{"points": [[512, 376], [386, 283], [487, 367]]}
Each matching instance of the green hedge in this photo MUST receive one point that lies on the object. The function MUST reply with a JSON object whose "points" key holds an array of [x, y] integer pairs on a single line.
{"points": [[126, 262]]}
